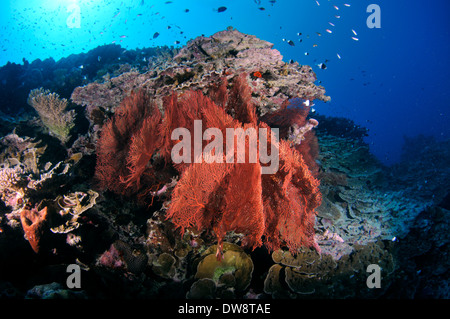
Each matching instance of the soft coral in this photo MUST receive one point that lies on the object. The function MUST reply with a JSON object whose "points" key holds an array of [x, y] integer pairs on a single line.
{"points": [[113, 147], [276, 209]]}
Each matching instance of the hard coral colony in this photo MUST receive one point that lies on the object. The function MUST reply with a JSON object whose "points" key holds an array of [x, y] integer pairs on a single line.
{"points": [[271, 209]]}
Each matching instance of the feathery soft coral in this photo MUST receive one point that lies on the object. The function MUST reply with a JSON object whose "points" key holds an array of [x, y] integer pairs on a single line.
{"points": [[126, 144]]}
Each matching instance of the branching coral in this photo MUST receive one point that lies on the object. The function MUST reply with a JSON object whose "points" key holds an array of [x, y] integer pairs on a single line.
{"points": [[53, 113], [33, 225]]}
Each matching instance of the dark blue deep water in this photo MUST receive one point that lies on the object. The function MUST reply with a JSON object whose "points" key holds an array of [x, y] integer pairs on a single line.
{"points": [[393, 80]]}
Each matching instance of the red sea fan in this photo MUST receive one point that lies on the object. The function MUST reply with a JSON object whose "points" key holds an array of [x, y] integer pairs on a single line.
{"points": [[275, 209], [294, 112], [210, 196], [290, 198], [172, 120], [243, 209], [144, 145], [237, 101], [181, 112], [114, 143], [309, 149], [290, 113], [196, 198], [218, 93]]}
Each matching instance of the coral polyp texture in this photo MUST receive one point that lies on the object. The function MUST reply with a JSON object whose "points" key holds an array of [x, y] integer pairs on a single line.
{"points": [[276, 209]]}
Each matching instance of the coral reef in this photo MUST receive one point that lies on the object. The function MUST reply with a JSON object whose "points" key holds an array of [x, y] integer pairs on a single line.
{"points": [[356, 205], [234, 270], [11, 193], [21, 153], [36, 192], [279, 206], [222, 279], [22, 173], [64, 75], [53, 290], [309, 275], [111, 200], [424, 159], [33, 223], [199, 66], [69, 208], [122, 256]]}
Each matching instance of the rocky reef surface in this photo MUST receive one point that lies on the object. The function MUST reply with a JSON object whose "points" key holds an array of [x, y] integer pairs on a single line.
{"points": [[53, 215]]}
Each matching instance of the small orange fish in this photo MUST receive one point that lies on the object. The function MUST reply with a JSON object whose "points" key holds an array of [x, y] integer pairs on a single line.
{"points": [[257, 74]]}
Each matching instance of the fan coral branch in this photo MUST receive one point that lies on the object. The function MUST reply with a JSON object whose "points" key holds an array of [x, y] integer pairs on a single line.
{"points": [[144, 144], [293, 125], [114, 143], [197, 198], [239, 101]]}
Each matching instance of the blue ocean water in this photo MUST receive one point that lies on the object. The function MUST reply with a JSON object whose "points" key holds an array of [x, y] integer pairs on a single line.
{"points": [[392, 80]]}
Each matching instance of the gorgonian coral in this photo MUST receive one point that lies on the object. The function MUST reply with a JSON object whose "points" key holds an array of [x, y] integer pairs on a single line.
{"points": [[276, 209], [53, 113], [119, 142]]}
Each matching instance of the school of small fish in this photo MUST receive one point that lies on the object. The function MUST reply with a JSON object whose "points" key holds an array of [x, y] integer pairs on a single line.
{"points": [[328, 30], [333, 25], [48, 24], [146, 13]]}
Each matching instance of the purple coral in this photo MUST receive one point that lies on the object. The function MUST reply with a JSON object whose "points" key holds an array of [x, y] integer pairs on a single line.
{"points": [[112, 259]]}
